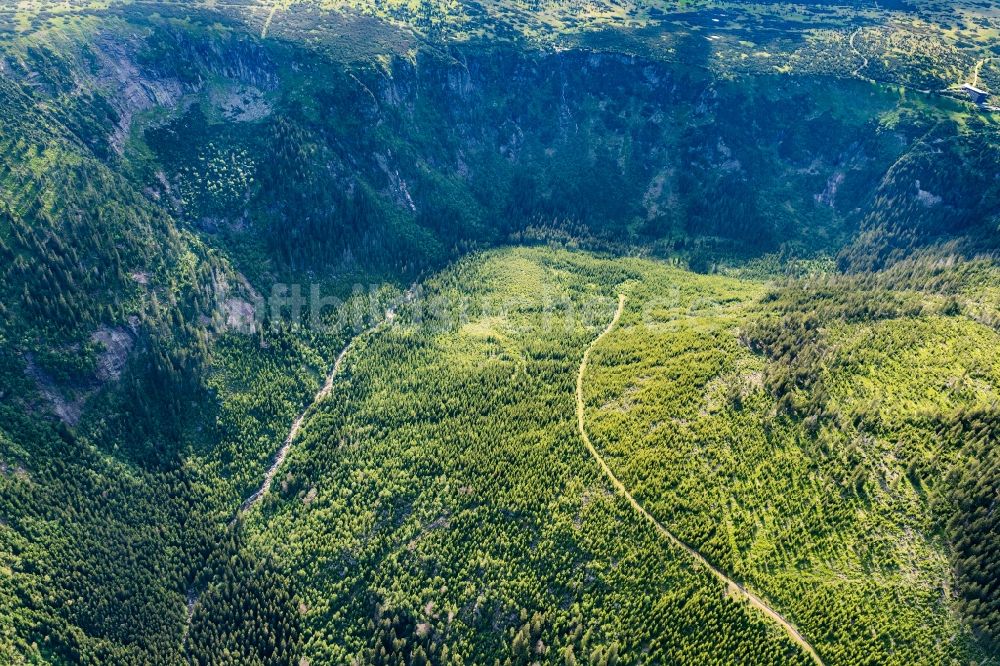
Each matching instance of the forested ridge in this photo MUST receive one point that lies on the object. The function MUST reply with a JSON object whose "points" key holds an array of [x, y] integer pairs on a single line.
{"points": [[803, 383]]}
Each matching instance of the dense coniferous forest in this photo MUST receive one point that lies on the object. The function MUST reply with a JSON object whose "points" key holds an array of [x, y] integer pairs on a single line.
{"points": [[309, 348]]}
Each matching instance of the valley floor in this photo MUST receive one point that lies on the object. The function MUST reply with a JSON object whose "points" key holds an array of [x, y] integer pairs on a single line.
{"points": [[444, 491]]}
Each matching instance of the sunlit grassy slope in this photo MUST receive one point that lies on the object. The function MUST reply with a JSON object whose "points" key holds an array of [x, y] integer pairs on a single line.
{"points": [[818, 515], [441, 495]]}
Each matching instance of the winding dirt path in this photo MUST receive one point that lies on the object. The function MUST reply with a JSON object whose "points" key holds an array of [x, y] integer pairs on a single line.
{"points": [[191, 600], [978, 68], [282, 453], [732, 586], [857, 52], [267, 23], [286, 447]]}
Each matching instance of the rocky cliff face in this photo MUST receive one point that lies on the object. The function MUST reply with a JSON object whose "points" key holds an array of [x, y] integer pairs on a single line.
{"points": [[161, 68], [477, 143], [608, 141]]}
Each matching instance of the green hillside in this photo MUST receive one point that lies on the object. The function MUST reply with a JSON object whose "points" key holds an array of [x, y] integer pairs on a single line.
{"points": [[506, 332]]}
